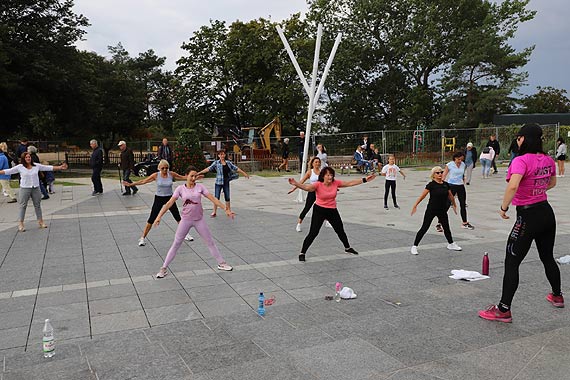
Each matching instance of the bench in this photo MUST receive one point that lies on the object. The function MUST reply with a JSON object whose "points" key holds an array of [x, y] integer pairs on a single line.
{"points": [[343, 163]]}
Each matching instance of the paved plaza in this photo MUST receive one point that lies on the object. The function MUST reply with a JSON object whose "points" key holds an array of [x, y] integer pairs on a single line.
{"points": [[114, 320]]}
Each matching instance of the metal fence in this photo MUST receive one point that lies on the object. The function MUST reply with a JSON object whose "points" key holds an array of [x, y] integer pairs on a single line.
{"points": [[411, 147]]}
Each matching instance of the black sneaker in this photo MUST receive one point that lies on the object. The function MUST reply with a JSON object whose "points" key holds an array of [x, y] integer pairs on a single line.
{"points": [[439, 228], [385, 207], [396, 206], [135, 191], [125, 193], [351, 250]]}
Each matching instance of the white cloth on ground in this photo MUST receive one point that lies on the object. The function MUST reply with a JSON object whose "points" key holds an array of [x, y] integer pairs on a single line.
{"points": [[461, 274]]}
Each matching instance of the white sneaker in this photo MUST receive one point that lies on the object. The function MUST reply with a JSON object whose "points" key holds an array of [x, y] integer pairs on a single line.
{"points": [[5, 194], [188, 238], [327, 224], [298, 228], [142, 242], [453, 247], [414, 250], [225, 267]]}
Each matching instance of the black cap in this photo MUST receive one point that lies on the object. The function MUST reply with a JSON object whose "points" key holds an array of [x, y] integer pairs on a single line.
{"points": [[530, 130]]}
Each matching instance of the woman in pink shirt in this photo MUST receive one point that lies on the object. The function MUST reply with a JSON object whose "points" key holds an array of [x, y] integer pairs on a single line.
{"points": [[192, 216], [531, 174], [325, 206]]}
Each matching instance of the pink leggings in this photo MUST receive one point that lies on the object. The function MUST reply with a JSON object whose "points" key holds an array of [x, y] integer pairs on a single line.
{"points": [[204, 232]]}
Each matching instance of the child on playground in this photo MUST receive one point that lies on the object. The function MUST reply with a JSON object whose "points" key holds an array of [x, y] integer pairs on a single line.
{"points": [[390, 171]]}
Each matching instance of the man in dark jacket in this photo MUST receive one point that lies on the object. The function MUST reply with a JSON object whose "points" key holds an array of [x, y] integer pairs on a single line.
{"points": [[22, 148], [127, 165], [165, 152], [493, 143], [471, 157], [96, 163]]}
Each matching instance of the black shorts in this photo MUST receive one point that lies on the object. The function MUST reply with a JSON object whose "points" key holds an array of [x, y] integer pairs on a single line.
{"points": [[562, 157], [160, 201]]}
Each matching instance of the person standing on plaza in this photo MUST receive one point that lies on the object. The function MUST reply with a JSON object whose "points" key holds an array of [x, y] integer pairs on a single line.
{"points": [[127, 166], [486, 158], [322, 155], [470, 161], [192, 216], [390, 171], [531, 174], [493, 143], [164, 179], [301, 149], [165, 152], [439, 196], [312, 176], [22, 148], [326, 189], [30, 186], [225, 172], [560, 155], [41, 176], [454, 173], [284, 156], [5, 178], [96, 165]]}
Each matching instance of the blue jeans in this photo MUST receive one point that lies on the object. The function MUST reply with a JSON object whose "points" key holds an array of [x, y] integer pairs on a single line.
{"points": [[218, 190], [485, 167]]}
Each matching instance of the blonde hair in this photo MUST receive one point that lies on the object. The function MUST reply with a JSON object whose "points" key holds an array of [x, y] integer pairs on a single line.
{"points": [[435, 169], [32, 149], [3, 147], [163, 163]]}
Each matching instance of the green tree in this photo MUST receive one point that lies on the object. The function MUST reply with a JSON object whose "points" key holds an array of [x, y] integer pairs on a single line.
{"points": [[36, 50], [188, 151], [546, 100]]}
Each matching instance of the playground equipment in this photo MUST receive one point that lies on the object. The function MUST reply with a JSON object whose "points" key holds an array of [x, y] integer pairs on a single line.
{"points": [[448, 144], [418, 140]]}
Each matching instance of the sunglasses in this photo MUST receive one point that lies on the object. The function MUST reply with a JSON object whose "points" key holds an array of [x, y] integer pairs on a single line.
{"points": [[163, 168], [437, 172]]}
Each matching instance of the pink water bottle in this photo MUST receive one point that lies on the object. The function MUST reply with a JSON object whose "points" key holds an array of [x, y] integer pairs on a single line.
{"points": [[485, 269], [337, 292]]}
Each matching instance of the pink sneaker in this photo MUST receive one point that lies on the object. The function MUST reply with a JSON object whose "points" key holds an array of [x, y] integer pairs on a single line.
{"points": [[492, 313], [556, 301]]}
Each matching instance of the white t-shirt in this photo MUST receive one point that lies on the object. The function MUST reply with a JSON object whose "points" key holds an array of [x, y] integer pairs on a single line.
{"points": [[29, 177], [391, 171]]}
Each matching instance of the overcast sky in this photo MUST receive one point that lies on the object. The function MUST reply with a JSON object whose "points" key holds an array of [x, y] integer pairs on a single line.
{"points": [[162, 25]]}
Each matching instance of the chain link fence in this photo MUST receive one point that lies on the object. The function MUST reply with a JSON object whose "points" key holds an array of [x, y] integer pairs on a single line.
{"points": [[412, 148]]}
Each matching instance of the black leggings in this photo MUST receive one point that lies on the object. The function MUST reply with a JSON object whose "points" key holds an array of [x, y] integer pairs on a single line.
{"points": [[459, 190], [160, 201], [539, 224], [387, 186], [428, 218], [320, 214], [311, 198]]}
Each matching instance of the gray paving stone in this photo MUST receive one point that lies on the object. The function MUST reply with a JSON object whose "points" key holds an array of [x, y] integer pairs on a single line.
{"points": [[18, 318], [61, 312], [277, 368], [174, 297], [222, 306], [13, 337], [172, 313], [214, 292], [61, 298], [352, 358], [114, 305], [103, 324], [157, 286], [204, 360], [202, 280]]}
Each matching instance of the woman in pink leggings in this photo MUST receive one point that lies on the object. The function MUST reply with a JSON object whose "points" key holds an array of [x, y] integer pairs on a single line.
{"points": [[192, 216]]}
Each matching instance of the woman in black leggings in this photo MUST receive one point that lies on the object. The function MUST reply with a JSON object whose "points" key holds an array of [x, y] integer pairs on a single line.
{"points": [[312, 176], [439, 196], [325, 207], [529, 176]]}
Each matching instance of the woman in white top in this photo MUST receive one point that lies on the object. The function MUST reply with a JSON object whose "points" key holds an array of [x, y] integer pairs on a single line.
{"points": [[313, 176], [322, 155], [486, 159], [560, 155], [30, 186]]}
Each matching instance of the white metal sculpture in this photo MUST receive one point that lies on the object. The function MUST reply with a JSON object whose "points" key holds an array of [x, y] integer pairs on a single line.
{"points": [[310, 90]]}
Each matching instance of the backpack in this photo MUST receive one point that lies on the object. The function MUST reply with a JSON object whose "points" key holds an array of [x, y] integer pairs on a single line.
{"points": [[486, 150]]}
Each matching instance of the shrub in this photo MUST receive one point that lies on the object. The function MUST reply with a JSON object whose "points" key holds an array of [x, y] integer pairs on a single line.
{"points": [[188, 152]]}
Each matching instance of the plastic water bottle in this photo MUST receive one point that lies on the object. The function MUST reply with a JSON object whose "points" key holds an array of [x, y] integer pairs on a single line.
{"points": [[485, 267], [261, 307], [338, 286], [48, 340]]}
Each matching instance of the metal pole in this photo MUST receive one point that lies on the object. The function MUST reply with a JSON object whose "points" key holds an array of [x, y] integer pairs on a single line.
{"points": [[293, 59]]}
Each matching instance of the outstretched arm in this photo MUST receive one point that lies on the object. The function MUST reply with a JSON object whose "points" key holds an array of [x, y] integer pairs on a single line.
{"points": [[421, 198], [217, 202], [148, 179], [358, 181], [243, 173], [178, 176], [303, 180], [301, 186]]}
